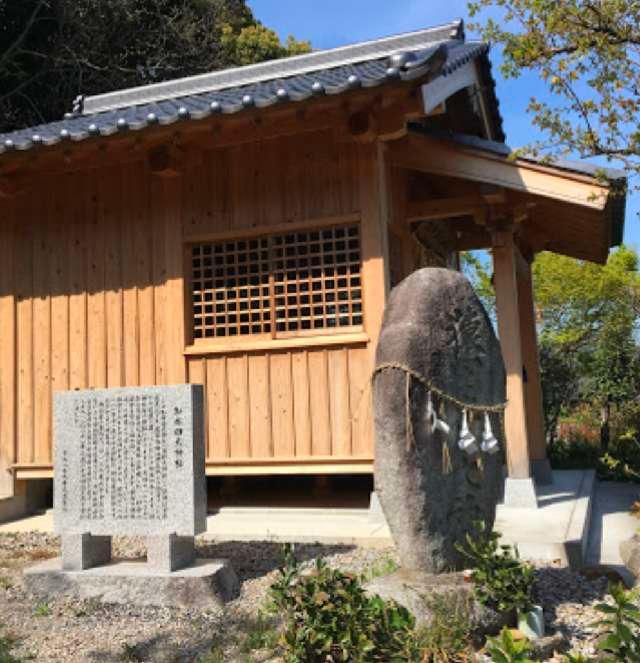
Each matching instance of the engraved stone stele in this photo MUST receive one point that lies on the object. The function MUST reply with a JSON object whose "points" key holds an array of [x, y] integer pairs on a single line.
{"points": [[130, 461], [431, 492]]}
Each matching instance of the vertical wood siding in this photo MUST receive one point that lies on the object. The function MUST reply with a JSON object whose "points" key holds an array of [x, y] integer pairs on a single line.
{"points": [[92, 295]]}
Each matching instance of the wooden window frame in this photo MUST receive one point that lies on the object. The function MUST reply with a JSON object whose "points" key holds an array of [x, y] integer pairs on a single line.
{"points": [[352, 334]]}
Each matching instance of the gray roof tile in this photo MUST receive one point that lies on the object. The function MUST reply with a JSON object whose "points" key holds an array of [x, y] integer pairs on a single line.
{"points": [[332, 72]]}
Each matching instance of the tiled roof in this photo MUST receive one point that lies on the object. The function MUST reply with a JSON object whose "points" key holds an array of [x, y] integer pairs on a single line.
{"points": [[440, 50]]}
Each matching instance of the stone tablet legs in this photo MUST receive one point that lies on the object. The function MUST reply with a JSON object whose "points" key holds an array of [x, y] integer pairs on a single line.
{"points": [[170, 553], [84, 551]]}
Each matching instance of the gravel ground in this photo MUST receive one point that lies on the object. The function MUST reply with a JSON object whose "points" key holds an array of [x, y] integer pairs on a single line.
{"points": [[67, 630]]}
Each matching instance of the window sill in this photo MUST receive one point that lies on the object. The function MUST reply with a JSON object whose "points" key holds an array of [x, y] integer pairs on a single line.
{"points": [[248, 345]]}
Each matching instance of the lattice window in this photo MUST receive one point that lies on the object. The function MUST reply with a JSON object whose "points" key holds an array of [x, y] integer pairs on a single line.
{"points": [[294, 283]]}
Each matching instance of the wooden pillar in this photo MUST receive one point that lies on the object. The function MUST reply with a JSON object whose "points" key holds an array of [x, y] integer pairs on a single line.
{"points": [[508, 312], [531, 361]]}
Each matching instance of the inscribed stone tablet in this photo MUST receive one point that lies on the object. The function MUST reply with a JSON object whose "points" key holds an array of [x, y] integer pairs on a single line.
{"points": [[130, 461]]}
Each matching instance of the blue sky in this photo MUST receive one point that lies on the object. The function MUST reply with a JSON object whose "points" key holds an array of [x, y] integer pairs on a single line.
{"points": [[328, 23]]}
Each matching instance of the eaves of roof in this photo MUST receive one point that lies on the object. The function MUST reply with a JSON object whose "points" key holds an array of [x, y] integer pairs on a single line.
{"points": [[615, 211], [432, 52]]}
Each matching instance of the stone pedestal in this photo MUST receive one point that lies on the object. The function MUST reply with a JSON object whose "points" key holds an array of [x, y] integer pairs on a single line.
{"points": [[170, 553], [206, 583], [84, 551], [520, 493]]}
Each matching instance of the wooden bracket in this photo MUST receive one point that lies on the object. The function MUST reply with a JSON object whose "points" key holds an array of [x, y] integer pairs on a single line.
{"points": [[13, 185], [166, 161]]}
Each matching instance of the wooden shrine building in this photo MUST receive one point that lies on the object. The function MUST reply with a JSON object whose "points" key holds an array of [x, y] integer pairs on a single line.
{"points": [[242, 230]]}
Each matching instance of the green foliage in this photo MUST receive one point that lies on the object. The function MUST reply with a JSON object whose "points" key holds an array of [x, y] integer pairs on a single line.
{"points": [[448, 636], [327, 614], [42, 610], [259, 633], [585, 52], [621, 624], [7, 645], [620, 463], [506, 649], [256, 43], [575, 658], [573, 454], [214, 655], [383, 567], [501, 580], [131, 653], [53, 50], [6, 582]]}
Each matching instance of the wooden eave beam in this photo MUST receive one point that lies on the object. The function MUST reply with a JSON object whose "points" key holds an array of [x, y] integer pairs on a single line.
{"points": [[430, 155], [443, 208], [390, 113]]}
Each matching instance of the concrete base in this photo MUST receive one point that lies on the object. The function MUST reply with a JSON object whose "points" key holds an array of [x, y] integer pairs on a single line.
{"points": [[542, 472], [611, 524], [206, 584], [520, 494], [376, 514], [559, 528]]}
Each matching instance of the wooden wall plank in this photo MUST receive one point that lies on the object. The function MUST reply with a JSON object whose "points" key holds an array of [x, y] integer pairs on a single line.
{"points": [[361, 405], [218, 443], [111, 190], [42, 327], [197, 374], [77, 255], [260, 406], [284, 439], [319, 398], [238, 404], [159, 271], [301, 405], [145, 250], [132, 220], [339, 402], [24, 296], [7, 349], [173, 258], [60, 225], [96, 323]]}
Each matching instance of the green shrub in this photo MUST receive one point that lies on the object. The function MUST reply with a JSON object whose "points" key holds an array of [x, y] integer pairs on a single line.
{"points": [[621, 624], [328, 616], [501, 580], [573, 454], [506, 649], [448, 636], [620, 463]]}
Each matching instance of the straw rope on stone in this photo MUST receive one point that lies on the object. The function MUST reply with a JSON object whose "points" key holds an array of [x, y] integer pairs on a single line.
{"points": [[410, 374]]}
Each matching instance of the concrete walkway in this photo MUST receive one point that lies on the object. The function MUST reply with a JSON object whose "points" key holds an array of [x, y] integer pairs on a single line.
{"points": [[559, 527], [612, 523]]}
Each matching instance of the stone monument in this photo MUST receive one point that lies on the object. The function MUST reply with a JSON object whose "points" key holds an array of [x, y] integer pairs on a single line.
{"points": [[438, 392], [131, 462]]}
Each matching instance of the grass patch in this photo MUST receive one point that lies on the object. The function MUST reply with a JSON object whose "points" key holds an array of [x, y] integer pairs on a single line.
{"points": [[259, 633], [384, 567], [7, 644], [42, 610], [6, 582], [131, 653]]}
